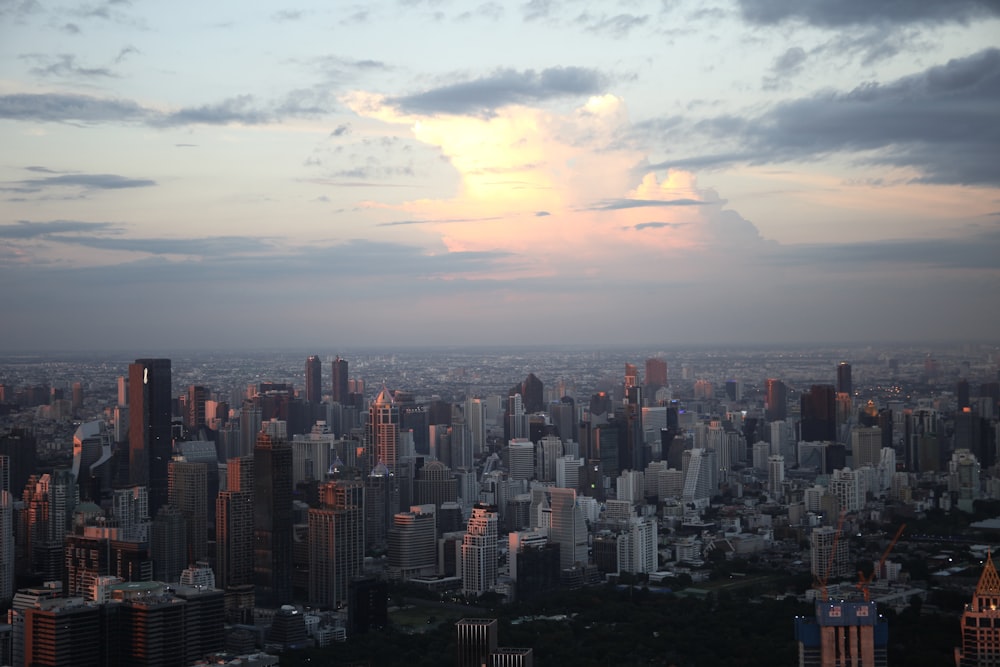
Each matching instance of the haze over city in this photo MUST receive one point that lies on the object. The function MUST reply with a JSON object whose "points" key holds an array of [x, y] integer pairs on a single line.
{"points": [[219, 175]]}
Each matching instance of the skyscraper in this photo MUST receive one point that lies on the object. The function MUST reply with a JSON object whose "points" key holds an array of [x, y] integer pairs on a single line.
{"points": [[272, 464], [336, 542], [776, 401], [656, 374], [234, 534], [479, 551], [149, 434], [339, 373], [844, 383], [533, 394], [477, 639], [568, 529], [981, 622], [194, 418], [819, 414], [187, 492], [383, 431], [314, 380]]}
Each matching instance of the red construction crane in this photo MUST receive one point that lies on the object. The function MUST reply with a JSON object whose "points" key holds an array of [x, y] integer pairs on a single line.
{"points": [[863, 581]]}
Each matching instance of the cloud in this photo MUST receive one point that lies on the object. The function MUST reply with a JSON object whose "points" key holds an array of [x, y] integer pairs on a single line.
{"points": [[61, 107], [125, 52], [239, 109], [71, 29], [501, 88], [619, 25], [25, 229], [62, 65], [83, 181], [655, 225], [286, 15], [620, 204], [940, 122], [341, 130], [841, 13], [439, 221], [537, 9], [542, 214]]}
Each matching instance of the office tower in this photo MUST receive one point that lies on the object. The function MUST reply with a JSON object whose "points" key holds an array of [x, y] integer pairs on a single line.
{"points": [[866, 445], [656, 374], [381, 497], [383, 431], [819, 414], [6, 546], [413, 544], [122, 391], [550, 448], [843, 634], [568, 529], [19, 446], [963, 478], [775, 474], [700, 476], [475, 422], [92, 461], [250, 422], [48, 503], [476, 640], [509, 656], [775, 401], [194, 414], [980, 626], [521, 453], [77, 394], [168, 544], [533, 394], [339, 375], [149, 436], [828, 554], [435, 485], [62, 633], [844, 383], [272, 464], [314, 380], [188, 484], [962, 394], [336, 542], [631, 377], [479, 551], [569, 472], [204, 627], [367, 605], [234, 526], [635, 439]]}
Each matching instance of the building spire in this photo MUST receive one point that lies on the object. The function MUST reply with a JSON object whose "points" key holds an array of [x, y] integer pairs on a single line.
{"points": [[989, 580]]}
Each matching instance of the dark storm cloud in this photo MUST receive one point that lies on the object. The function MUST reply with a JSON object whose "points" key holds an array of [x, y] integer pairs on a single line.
{"points": [[839, 13], [941, 122], [619, 204], [58, 107], [26, 229], [84, 181], [239, 109], [503, 87]]}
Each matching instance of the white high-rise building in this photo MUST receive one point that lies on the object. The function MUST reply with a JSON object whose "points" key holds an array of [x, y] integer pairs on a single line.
{"points": [[568, 471], [479, 551], [670, 483], [828, 551], [847, 486], [637, 546], [886, 467], [312, 454], [631, 486], [761, 452], [522, 458], [775, 474], [475, 421]]}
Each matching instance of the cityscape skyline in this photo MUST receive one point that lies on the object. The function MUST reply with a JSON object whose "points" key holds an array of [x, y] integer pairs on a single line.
{"points": [[748, 172]]}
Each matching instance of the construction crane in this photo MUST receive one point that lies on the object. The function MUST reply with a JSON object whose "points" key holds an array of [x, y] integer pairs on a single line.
{"points": [[863, 581], [824, 576]]}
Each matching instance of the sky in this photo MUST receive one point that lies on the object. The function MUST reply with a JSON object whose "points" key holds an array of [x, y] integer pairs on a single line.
{"points": [[229, 175]]}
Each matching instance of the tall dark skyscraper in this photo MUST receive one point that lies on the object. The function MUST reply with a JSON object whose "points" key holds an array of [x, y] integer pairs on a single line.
{"points": [[819, 414], [844, 383], [656, 373], [533, 394], [340, 390], [149, 437], [776, 401], [314, 380], [272, 521]]}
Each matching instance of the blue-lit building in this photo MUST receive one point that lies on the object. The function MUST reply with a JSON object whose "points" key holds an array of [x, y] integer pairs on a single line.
{"points": [[843, 634]]}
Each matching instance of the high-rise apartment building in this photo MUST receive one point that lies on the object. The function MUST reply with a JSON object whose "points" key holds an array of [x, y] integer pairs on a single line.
{"points": [[234, 527], [149, 436], [194, 417], [188, 484]]}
